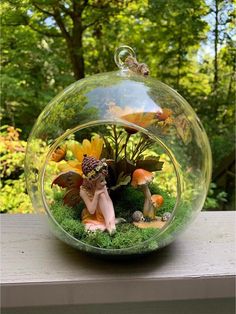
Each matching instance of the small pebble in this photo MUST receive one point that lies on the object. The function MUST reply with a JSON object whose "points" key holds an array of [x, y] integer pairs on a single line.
{"points": [[137, 216], [166, 216]]}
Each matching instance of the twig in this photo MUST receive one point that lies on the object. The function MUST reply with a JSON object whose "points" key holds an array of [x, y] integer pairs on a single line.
{"points": [[116, 144], [126, 143]]}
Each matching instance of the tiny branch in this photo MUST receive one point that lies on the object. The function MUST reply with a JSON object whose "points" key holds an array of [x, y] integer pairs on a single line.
{"points": [[43, 10], [67, 11], [91, 24], [56, 15], [44, 32], [61, 25], [116, 144]]}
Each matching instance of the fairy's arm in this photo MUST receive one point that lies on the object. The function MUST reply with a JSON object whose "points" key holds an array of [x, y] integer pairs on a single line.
{"points": [[91, 205]]}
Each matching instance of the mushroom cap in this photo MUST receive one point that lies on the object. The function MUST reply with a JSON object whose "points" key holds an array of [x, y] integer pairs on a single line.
{"points": [[141, 177], [157, 200]]}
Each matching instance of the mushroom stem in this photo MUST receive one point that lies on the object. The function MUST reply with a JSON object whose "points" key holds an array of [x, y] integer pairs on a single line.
{"points": [[148, 208]]}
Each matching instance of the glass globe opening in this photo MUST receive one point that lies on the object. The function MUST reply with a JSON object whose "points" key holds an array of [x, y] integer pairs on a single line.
{"points": [[117, 152]]}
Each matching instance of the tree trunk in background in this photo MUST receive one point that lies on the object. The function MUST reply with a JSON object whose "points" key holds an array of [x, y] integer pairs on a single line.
{"points": [[76, 48], [179, 61], [77, 61], [231, 81], [73, 36], [73, 40], [71, 22], [216, 39]]}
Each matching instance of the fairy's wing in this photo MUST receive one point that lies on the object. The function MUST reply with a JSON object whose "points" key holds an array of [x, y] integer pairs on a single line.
{"points": [[72, 197], [69, 179]]}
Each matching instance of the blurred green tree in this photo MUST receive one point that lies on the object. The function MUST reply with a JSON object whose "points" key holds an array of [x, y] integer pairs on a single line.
{"points": [[190, 45]]}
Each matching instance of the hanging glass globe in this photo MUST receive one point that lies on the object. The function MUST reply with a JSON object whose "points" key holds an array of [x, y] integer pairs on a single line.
{"points": [[119, 162]]}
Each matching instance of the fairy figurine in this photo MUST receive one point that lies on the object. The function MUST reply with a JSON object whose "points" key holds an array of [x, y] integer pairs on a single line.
{"points": [[99, 211]]}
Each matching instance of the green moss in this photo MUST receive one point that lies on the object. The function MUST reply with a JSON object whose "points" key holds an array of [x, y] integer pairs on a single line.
{"points": [[58, 195], [74, 227], [126, 235], [62, 212], [99, 239], [126, 201]]}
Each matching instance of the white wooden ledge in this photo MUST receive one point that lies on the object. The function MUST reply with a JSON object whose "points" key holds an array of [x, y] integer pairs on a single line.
{"points": [[39, 270]]}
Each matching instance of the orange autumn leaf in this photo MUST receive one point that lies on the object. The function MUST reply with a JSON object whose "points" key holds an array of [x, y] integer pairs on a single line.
{"points": [[138, 117], [59, 153], [164, 115], [143, 119]]}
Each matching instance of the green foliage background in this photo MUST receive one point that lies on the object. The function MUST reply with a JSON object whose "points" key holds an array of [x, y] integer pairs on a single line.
{"points": [[46, 45]]}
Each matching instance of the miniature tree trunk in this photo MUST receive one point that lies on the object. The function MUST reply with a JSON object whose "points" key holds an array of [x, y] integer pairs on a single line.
{"points": [[148, 208]]}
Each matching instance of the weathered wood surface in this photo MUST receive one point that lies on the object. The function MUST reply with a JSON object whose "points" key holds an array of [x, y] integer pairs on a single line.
{"points": [[39, 270]]}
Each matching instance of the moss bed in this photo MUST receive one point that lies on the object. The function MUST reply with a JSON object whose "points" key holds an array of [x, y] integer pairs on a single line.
{"points": [[126, 201]]}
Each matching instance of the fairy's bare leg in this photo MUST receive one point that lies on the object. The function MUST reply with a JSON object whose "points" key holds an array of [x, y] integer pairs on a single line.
{"points": [[108, 213]]}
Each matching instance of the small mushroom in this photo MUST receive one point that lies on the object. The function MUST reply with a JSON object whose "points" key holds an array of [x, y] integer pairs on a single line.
{"points": [[157, 200], [166, 216], [141, 178], [137, 216]]}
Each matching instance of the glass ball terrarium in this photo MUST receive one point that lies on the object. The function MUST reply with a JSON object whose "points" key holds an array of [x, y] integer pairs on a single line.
{"points": [[119, 161]]}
